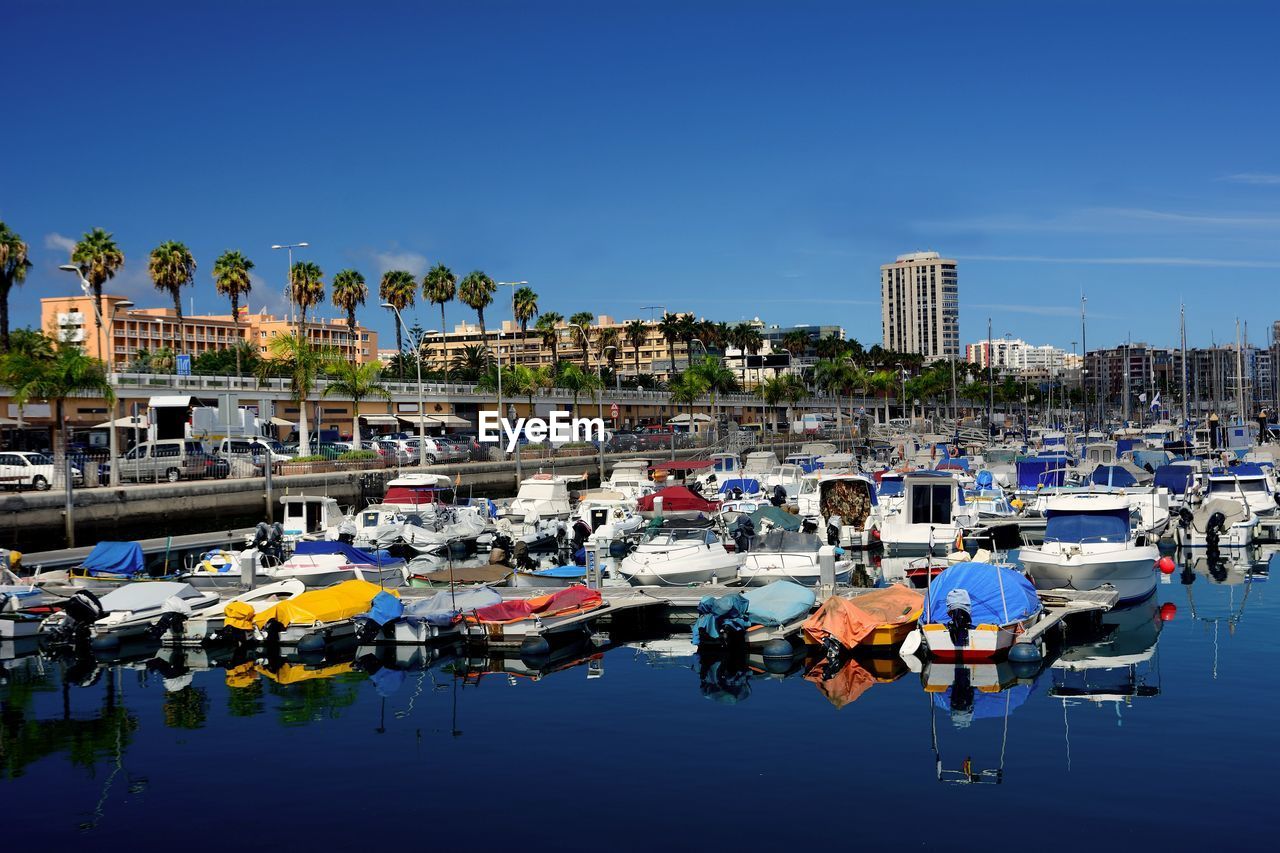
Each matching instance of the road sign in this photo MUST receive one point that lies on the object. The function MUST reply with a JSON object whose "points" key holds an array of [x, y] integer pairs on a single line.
{"points": [[183, 365], [613, 411]]}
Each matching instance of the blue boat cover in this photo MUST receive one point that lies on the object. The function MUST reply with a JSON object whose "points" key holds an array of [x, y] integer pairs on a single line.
{"points": [[890, 487], [353, 554], [1112, 475], [114, 559], [728, 612], [985, 480], [1033, 471], [1108, 526], [568, 572], [997, 595], [384, 608], [442, 609], [778, 603], [748, 486], [386, 681], [1124, 445], [1176, 478], [1151, 459], [1244, 469]]}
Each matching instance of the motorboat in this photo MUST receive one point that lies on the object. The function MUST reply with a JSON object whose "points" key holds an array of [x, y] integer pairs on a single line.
{"points": [[309, 516], [317, 617], [788, 555], [758, 464], [843, 507], [679, 553], [876, 620], [676, 502], [975, 611], [554, 617], [418, 492], [17, 601], [432, 527], [630, 478], [111, 565], [934, 510], [129, 611], [1248, 483], [543, 497], [787, 477], [1219, 522], [724, 466], [320, 563], [753, 617], [390, 620], [208, 626], [1090, 542]]}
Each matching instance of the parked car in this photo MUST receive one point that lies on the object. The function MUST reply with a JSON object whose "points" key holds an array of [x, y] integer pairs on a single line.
{"points": [[252, 447], [20, 469], [438, 450], [168, 459]]}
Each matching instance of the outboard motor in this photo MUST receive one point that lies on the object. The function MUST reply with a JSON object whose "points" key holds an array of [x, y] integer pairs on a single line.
{"points": [[176, 613], [779, 496], [809, 526], [581, 530], [347, 531], [959, 616], [1216, 527], [833, 529], [274, 547], [744, 529], [82, 609], [1185, 517]]}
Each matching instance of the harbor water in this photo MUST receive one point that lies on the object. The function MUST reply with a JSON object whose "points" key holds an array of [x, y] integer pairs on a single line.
{"points": [[1153, 729]]}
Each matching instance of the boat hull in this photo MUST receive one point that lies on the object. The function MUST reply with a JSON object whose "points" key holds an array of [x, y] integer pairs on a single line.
{"points": [[986, 642], [1132, 573]]}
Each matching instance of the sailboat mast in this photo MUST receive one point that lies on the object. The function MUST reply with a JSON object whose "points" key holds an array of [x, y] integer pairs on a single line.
{"points": [[1186, 419], [1239, 374]]}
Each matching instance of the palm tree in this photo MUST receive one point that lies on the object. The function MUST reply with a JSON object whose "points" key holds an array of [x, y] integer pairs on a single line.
{"points": [[715, 378], [13, 270], [883, 383], [636, 333], [439, 286], [796, 342], [524, 304], [99, 259], [476, 292], [581, 325], [529, 381], [578, 381], [472, 361], [173, 267], [29, 350], [607, 345], [349, 290], [231, 278], [688, 327], [67, 372], [777, 390], [358, 382], [398, 289], [548, 326], [295, 357], [306, 290], [669, 326], [686, 388]]}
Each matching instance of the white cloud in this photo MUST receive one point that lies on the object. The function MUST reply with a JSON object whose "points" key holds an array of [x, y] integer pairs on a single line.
{"points": [[1258, 179], [1221, 263], [60, 241], [1038, 310], [394, 260]]}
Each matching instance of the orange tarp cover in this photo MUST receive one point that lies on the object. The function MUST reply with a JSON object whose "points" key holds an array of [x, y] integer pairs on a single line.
{"points": [[575, 598], [845, 686], [850, 620]]}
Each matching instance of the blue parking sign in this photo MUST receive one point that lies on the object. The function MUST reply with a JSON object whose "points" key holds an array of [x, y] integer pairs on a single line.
{"points": [[183, 365]]}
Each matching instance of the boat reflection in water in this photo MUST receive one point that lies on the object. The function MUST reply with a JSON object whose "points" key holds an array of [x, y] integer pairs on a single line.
{"points": [[1117, 663], [969, 694], [1231, 577], [844, 680]]}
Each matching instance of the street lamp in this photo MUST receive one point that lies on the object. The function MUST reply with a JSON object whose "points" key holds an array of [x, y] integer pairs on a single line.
{"points": [[288, 289], [422, 414], [514, 322], [113, 441], [88, 292]]}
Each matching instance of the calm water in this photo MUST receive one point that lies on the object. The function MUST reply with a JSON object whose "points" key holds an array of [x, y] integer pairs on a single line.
{"points": [[645, 749]]}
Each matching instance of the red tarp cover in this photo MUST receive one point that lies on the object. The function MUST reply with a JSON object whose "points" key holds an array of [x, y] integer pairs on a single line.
{"points": [[573, 598], [677, 499], [685, 465], [849, 621]]}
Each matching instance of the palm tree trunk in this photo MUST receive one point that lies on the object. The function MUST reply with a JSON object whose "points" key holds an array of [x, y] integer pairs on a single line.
{"points": [[444, 343], [483, 332], [355, 424], [235, 319], [179, 336], [4, 315], [304, 435]]}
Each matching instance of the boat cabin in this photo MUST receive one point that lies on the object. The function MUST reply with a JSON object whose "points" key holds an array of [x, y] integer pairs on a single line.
{"points": [[307, 515], [759, 462], [542, 496], [416, 490], [807, 462], [1100, 453], [931, 497]]}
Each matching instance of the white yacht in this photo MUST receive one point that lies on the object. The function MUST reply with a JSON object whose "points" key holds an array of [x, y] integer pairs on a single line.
{"points": [[677, 554], [1249, 483], [933, 513], [783, 555], [1090, 541]]}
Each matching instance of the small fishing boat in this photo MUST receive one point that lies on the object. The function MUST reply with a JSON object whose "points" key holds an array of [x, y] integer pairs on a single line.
{"points": [[208, 626], [1089, 542], [1248, 483], [754, 617], [111, 565], [320, 563], [549, 616], [843, 505], [133, 610], [676, 502], [679, 553], [877, 620], [317, 617], [434, 573], [17, 602], [975, 611], [934, 510], [1219, 522]]}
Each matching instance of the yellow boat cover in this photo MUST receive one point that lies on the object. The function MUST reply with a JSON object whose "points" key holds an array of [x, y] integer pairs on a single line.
{"points": [[238, 614], [242, 676], [340, 601]]}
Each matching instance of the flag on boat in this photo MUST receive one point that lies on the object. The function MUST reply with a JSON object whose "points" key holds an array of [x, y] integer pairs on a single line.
{"points": [[1155, 403]]}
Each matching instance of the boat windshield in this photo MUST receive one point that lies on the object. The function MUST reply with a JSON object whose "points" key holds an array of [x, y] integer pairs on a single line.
{"points": [[789, 541], [1111, 526], [808, 487], [681, 536], [889, 488], [1219, 487]]}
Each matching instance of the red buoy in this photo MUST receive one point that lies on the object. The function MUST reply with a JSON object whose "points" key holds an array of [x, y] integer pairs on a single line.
{"points": [[1168, 610], [1165, 564]]}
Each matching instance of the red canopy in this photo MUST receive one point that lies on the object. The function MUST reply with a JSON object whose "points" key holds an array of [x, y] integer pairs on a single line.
{"points": [[682, 465], [677, 499], [573, 598]]}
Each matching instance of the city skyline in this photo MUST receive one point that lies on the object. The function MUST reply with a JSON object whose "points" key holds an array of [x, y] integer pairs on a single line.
{"points": [[559, 161]]}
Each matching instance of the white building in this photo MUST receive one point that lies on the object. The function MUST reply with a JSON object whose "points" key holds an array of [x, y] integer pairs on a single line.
{"points": [[1014, 355], [920, 306]]}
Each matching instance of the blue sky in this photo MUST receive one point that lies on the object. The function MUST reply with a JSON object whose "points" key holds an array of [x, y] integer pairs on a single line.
{"points": [[731, 159]]}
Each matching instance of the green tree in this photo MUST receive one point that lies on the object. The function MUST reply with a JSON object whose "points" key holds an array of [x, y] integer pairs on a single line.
{"points": [[301, 362], [398, 289], [173, 267], [669, 327], [883, 382], [439, 286], [607, 344], [524, 306], [349, 292], [476, 292], [548, 326], [715, 378], [355, 382], [529, 381], [580, 322], [636, 333], [99, 259], [54, 374], [306, 290], [231, 278], [578, 381], [686, 388], [796, 342], [13, 270], [472, 361]]}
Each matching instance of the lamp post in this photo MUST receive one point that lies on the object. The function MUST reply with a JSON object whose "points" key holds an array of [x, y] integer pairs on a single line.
{"points": [[514, 322], [417, 360], [288, 288], [113, 441]]}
